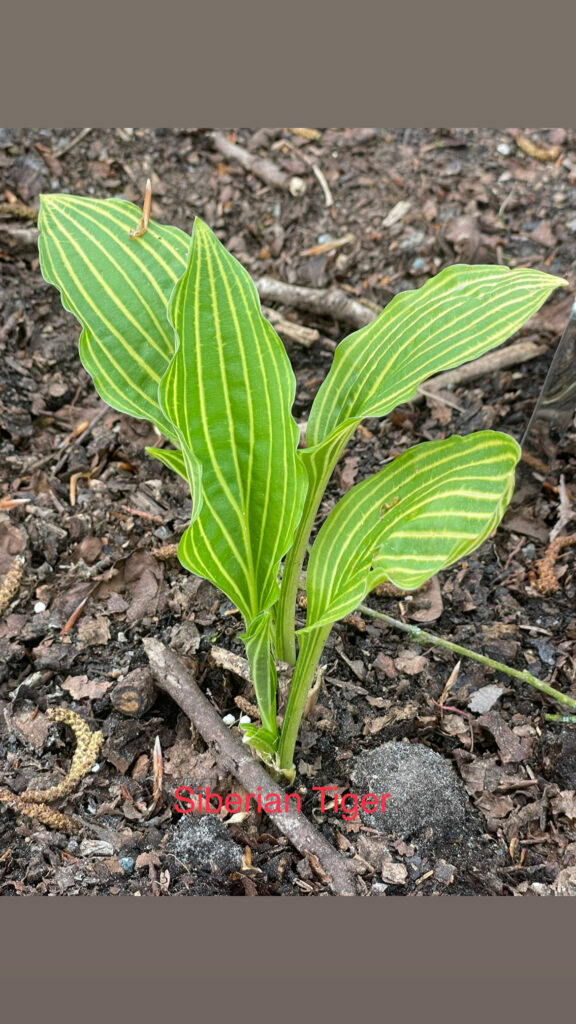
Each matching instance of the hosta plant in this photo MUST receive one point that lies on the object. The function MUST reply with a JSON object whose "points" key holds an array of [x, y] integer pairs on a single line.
{"points": [[172, 332]]}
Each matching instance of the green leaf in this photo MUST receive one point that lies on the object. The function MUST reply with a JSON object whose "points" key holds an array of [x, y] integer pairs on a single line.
{"points": [[172, 458], [229, 391], [456, 316], [118, 288], [429, 507]]}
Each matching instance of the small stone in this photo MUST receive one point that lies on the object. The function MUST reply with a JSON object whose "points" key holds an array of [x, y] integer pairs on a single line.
{"points": [[127, 864], [427, 799], [204, 844], [504, 148], [418, 264], [39, 607]]}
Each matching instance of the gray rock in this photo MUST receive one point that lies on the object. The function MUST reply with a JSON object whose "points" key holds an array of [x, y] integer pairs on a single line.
{"points": [[204, 844], [427, 802]]}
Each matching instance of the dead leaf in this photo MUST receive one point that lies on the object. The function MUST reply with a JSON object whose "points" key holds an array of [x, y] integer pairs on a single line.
{"points": [[80, 687], [427, 604], [385, 666], [393, 873], [494, 806], [31, 727], [544, 235], [510, 747], [348, 472], [140, 580], [93, 632], [378, 702], [372, 726], [410, 663], [184, 766], [565, 803], [309, 770], [484, 699], [12, 542]]}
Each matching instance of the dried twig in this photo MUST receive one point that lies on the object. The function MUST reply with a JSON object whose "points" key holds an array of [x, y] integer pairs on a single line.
{"points": [[512, 355], [334, 243], [333, 302], [175, 678], [328, 197], [565, 510], [73, 142], [305, 336], [259, 166]]}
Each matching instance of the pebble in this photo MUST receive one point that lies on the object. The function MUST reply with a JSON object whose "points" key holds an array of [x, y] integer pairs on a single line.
{"points": [[127, 864], [418, 264], [39, 607]]}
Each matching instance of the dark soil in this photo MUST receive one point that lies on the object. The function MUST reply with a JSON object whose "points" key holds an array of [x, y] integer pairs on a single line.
{"points": [[89, 513]]}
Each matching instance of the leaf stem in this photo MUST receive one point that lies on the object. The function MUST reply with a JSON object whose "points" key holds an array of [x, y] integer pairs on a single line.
{"points": [[285, 635], [319, 465], [421, 635], [311, 647]]}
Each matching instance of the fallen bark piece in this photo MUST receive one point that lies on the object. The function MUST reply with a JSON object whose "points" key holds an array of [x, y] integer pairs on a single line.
{"points": [[262, 168], [512, 355], [174, 678], [135, 694]]}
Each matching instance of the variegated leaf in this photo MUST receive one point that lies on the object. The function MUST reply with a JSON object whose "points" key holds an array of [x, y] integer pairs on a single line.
{"points": [[456, 316], [172, 458], [229, 391], [118, 288], [429, 507]]}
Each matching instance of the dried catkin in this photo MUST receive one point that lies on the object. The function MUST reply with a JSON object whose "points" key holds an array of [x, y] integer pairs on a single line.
{"points": [[34, 802]]}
